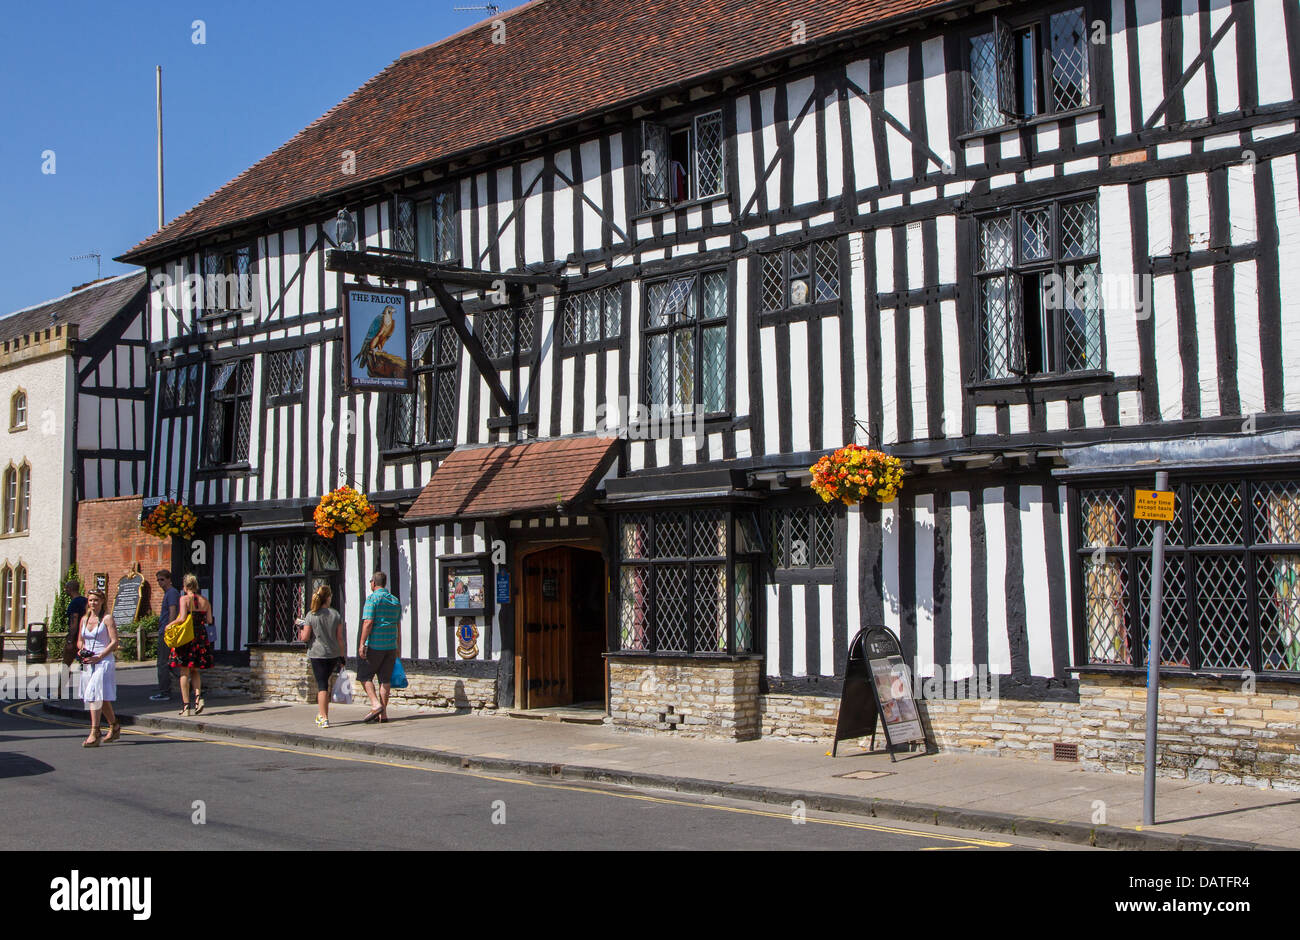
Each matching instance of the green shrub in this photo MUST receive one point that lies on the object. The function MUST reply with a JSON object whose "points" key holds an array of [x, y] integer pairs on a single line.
{"points": [[58, 621]]}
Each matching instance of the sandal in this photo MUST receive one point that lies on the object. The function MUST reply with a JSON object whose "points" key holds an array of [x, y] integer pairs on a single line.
{"points": [[93, 740], [373, 716], [198, 706], [114, 731], [187, 710]]}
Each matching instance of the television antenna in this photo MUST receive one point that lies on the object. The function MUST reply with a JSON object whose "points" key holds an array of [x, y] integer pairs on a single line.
{"points": [[490, 8], [86, 257]]}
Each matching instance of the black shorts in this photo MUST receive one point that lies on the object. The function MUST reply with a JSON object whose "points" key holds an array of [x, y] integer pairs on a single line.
{"points": [[377, 663], [322, 669]]}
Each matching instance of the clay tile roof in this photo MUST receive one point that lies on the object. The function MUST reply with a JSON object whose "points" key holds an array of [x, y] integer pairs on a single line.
{"points": [[562, 59], [500, 480], [90, 307]]}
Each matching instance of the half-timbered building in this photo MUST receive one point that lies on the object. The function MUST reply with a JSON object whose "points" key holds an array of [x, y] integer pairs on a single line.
{"points": [[73, 380], [663, 258]]}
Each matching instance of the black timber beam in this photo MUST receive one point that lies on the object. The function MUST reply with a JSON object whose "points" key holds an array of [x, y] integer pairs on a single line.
{"points": [[388, 267], [460, 323]]}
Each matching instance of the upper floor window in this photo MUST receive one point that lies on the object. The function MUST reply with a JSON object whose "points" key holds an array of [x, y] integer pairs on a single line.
{"points": [[230, 412], [179, 389], [227, 279], [18, 411], [593, 316], [426, 416], [284, 376], [797, 277], [16, 492], [1025, 68], [1038, 290], [427, 227], [686, 342], [682, 160], [506, 331]]}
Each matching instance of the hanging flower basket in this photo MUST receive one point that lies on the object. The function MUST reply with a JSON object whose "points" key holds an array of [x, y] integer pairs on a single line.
{"points": [[854, 473], [344, 511], [170, 519]]}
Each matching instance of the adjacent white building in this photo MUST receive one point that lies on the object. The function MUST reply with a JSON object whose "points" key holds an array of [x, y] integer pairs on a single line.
{"points": [[73, 387]]}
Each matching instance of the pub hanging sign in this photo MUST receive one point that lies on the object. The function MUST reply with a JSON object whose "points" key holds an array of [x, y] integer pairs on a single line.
{"points": [[377, 333]]}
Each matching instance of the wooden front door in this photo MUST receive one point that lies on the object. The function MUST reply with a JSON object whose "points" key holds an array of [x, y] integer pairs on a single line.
{"points": [[547, 612]]}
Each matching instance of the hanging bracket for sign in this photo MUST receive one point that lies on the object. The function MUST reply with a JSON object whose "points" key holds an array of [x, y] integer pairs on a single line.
{"points": [[1156, 505], [877, 685]]}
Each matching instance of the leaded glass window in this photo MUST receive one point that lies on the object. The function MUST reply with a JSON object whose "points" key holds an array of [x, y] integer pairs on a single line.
{"points": [[285, 371], [229, 424], [802, 537], [427, 415], [506, 331], [1231, 590], [682, 161], [798, 277], [1026, 67], [686, 584], [593, 316], [286, 572], [1038, 290], [686, 342]]}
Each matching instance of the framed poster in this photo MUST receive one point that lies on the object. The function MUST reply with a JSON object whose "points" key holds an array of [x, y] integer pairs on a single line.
{"points": [[377, 329], [464, 590]]}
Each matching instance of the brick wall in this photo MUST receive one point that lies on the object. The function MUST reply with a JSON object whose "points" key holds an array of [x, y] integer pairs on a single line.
{"points": [[689, 697], [1209, 732], [109, 540], [284, 675]]}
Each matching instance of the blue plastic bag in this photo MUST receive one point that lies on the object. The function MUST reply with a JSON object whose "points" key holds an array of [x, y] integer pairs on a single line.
{"points": [[399, 676]]}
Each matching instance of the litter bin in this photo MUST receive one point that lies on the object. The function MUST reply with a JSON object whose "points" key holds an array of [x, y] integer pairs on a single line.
{"points": [[36, 642]]}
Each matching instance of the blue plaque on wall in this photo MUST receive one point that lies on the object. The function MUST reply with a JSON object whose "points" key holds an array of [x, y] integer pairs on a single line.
{"points": [[503, 587]]}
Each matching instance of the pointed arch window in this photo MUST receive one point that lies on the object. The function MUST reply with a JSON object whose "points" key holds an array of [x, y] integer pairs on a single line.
{"points": [[6, 599], [18, 411], [9, 485], [24, 507], [20, 597]]}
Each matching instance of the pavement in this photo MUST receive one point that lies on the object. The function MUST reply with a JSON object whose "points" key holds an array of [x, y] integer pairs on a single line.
{"points": [[1017, 796]]}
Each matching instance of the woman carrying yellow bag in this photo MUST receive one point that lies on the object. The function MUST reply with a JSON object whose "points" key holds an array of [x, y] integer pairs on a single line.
{"points": [[197, 653]]}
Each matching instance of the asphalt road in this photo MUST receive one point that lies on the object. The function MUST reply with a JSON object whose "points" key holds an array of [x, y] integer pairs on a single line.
{"points": [[150, 789]]}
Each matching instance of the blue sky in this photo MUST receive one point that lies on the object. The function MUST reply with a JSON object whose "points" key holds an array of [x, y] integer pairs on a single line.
{"points": [[77, 78]]}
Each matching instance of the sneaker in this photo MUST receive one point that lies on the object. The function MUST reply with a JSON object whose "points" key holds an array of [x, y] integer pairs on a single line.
{"points": [[160, 697], [322, 721]]}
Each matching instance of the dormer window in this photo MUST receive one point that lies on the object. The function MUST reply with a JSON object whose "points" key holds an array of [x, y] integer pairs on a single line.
{"points": [[18, 411], [682, 161]]}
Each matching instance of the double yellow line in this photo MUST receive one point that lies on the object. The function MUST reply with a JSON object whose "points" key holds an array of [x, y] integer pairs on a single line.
{"points": [[22, 709]]}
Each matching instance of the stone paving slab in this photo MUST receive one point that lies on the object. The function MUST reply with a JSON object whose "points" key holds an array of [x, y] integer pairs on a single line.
{"points": [[970, 791]]}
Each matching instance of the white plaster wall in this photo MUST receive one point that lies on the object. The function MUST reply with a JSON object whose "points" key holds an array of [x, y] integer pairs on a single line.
{"points": [[46, 444]]}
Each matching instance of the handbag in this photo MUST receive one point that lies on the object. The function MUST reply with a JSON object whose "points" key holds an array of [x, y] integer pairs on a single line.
{"points": [[342, 693], [399, 680], [180, 633]]}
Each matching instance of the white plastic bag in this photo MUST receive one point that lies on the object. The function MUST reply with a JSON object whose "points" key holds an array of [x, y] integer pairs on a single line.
{"points": [[342, 693]]}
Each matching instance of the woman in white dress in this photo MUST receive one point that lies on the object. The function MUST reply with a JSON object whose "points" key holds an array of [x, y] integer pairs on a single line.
{"points": [[96, 643]]}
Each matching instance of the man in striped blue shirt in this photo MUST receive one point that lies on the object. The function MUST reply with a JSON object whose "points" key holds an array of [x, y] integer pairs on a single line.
{"points": [[381, 637]]}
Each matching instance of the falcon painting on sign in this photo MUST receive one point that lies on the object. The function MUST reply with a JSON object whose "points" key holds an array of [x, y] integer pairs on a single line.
{"points": [[378, 349]]}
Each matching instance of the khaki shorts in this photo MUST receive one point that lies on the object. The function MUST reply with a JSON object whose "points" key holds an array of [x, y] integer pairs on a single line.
{"points": [[377, 663]]}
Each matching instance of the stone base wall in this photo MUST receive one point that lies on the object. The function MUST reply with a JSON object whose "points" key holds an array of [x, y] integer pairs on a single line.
{"points": [[223, 681], [1209, 731], [688, 697], [285, 676]]}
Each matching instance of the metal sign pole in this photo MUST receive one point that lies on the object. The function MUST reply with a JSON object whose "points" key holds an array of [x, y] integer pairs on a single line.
{"points": [[1153, 661]]}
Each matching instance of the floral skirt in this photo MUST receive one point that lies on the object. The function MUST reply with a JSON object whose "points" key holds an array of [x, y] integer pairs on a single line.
{"points": [[196, 654]]}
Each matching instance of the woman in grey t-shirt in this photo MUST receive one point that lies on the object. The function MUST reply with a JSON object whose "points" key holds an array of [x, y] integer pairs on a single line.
{"points": [[322, 630]]}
